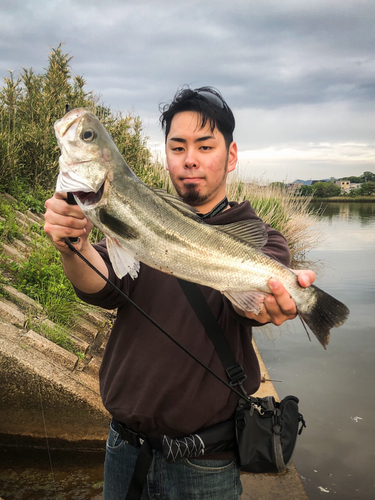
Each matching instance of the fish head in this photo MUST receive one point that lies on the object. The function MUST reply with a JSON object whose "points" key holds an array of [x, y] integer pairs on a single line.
{"points": [[87, 152]]}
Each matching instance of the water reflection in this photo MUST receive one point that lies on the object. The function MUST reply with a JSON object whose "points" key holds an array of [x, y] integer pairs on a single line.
{"points": [[364, 212]]}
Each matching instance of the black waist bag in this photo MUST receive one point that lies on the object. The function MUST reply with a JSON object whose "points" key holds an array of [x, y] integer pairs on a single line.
{"points": [[266, 433], [263, 433]]}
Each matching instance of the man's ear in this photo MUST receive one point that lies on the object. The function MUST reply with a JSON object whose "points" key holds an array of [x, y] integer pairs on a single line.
{"points": [[166, 162], [232, 157]]}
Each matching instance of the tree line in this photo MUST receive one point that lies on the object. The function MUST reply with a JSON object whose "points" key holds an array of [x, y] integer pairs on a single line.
{"points": [[330, 189]]}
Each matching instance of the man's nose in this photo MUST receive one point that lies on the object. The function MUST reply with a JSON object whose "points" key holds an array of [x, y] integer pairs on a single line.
{"points": [[190, 160]]}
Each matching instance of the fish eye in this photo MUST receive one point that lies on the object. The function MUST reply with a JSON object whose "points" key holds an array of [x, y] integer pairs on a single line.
{"points": [[88, 135]]}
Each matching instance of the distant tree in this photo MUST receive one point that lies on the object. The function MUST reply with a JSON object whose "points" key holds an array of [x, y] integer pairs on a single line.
{"points": [[367, 189], [325, 190], [367, 177], [354, 192], [305, 190], [352, 178]]}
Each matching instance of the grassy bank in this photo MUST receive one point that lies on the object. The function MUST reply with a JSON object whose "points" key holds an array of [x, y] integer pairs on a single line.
{"points": [[345, 199]]}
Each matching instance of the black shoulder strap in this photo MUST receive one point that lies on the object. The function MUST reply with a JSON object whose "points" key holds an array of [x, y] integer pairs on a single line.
{"points": [[197, 301], [142, 466]]}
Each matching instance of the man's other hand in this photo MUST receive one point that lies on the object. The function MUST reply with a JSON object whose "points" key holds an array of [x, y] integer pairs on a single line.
{"points": [[279, 306]]}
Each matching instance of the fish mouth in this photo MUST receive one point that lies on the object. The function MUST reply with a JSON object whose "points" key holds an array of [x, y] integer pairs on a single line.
{"points": [[68, 124], [90, 198]]}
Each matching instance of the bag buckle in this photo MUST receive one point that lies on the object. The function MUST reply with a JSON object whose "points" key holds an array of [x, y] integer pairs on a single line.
{"points": [[258, 408], [236, 375], [135, 439]]}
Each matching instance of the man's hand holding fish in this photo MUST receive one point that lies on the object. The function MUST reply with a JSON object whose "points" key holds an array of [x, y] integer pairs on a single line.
{"points": [[68, 221]]}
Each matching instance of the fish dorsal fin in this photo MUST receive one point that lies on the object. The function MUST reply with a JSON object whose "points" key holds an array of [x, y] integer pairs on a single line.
{"points": [[178, 204], [123, 262], [252, 232]]}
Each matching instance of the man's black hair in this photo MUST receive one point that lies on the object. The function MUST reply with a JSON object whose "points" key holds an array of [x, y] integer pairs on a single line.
{"points": [[213, 110]]}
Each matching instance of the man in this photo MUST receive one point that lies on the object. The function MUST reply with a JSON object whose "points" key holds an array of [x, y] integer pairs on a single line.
{"points": [[149, 385]]}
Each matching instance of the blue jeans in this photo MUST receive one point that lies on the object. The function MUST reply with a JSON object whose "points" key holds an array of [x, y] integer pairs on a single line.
{"points": [[183, 480]]}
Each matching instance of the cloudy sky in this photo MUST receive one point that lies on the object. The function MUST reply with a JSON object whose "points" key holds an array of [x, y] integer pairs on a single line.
{"points": [[298, 74]]}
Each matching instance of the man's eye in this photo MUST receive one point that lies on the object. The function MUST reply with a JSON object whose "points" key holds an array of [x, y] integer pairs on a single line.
{"points": [[206, 148]]}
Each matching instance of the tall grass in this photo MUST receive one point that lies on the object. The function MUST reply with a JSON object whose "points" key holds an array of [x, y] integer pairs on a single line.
{"points": [[293, 216], [29, 106]]}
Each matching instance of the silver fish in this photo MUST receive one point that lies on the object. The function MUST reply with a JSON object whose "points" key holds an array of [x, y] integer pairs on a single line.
{"points": [[150, 226]]}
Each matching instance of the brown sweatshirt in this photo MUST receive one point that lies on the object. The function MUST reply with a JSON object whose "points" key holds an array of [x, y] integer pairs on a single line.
{"points": [[148, 382]]}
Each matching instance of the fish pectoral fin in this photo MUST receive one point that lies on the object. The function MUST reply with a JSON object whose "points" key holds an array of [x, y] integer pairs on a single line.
{"points": [[252, 232], [251, 301], [123, 262]]}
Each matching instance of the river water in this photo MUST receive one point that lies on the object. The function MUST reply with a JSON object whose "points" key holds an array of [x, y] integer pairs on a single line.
{"points": [[335, 455]]}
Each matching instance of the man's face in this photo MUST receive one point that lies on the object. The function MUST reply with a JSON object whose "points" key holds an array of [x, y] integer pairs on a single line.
{"points": [[198, 161]]}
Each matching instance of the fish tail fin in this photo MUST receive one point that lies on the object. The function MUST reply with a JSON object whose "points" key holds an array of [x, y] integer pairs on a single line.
{"points": [[326, 313]]}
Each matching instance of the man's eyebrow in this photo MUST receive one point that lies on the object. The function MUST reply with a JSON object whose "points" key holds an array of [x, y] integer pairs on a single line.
{"points": [[177, 139], [204, 138], [200, 139]]}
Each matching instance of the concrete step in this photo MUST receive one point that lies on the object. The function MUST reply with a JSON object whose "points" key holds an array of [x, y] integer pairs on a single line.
{"points": [[95, 316], [53, 351], [85, 330], [79, 344], [11, 313], [26, 302], [20, 246], [26, 219], [12, 252], [35, 217], [93, 366]]}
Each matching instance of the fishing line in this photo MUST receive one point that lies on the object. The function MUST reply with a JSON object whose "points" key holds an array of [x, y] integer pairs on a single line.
{"points": [[45, 433], [71, 247]]}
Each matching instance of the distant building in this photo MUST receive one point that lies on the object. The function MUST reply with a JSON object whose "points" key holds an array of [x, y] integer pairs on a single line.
{"points": [[344, 186]]}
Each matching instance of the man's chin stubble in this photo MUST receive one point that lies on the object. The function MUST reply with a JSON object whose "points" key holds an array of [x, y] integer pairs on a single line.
{"points": [[192, 196]]}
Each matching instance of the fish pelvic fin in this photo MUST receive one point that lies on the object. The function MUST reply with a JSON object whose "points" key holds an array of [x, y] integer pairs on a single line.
{"points": [[326, 312], [251, 301], [123, 262]]}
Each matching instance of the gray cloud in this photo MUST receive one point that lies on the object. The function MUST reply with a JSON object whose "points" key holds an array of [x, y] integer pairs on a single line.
{"points": [[271, 60]]}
